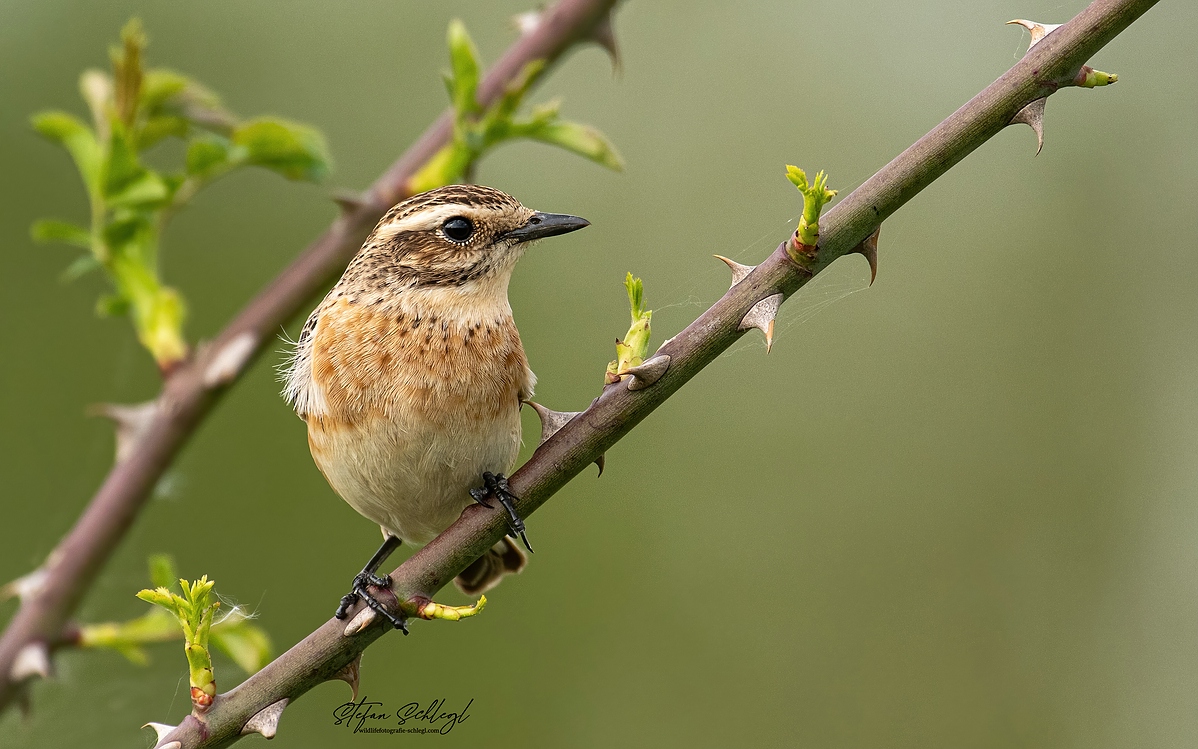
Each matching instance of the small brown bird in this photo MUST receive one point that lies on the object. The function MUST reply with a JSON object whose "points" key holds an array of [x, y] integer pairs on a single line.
{"points": [[410, 373]]}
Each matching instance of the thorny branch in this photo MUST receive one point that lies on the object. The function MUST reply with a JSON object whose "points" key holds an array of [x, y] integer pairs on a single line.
{"points": [[333, 650], [52, 593]]}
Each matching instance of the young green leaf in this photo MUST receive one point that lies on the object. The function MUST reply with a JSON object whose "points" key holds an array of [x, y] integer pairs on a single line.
{"points": [[125, 228], [127, 71], [81, 266], [172, 103], [78, 139], [145, 190], [636, 296], [206, 156], [162, 597], [295, 151], [157, 128], [162, 571], [583, 140], [463, 56], [52, 230], [112, 305], [201, 107], [158, 87], [122, 166], [247, 645]]}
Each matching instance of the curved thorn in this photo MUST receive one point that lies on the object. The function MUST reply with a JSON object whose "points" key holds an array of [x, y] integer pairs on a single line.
{"points": [[32, 660], [227, 363], [868, 248], [526, 22], [351, 673], [28, 586], [761, 316], [604, 34], [601, 461], [130, 421], [1032, 115], [738, 271], [361, 621], [266, 720], [647, 373], [161, 730], [1036, 29], [551, 421]]}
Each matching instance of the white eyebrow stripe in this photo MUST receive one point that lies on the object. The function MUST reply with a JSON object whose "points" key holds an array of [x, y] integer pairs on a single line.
{"points": [[423, 220]]}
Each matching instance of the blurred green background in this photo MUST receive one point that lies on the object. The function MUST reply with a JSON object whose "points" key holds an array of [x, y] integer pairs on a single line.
{"points": [[954, 509]]}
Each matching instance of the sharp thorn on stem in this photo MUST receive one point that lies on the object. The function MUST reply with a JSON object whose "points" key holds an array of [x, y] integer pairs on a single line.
{"points": [[161, 730], [551, 422], [266, 720], [761, 316], [738, 271], [868, 248], [32, 660], [648, 373], [1037, 30], [351, 673], [1032, 115]]}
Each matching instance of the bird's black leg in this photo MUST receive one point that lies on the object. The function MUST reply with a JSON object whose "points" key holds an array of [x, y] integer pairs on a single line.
{"points": [[368, 576], [495, 485]]}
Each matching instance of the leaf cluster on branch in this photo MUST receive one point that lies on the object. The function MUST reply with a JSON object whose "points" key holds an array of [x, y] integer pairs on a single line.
{"points": [[133, 109], [477, 128]]}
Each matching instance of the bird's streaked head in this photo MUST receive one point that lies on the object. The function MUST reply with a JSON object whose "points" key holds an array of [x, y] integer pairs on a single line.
{"points": [[452, 236]]}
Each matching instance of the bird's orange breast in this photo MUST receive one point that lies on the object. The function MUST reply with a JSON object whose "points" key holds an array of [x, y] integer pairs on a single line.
{"points": [[370, 362]]}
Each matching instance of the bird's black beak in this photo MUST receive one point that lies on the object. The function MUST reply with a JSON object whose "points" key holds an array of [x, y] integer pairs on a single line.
{"points": [[543, 225]]}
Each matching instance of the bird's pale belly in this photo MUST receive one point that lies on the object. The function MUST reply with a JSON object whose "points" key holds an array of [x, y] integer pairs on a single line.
{"points": [[410, 475], [411, 406]]}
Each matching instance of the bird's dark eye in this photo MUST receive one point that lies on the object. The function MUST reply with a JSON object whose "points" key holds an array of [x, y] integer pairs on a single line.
{"points": [[458, 229]]}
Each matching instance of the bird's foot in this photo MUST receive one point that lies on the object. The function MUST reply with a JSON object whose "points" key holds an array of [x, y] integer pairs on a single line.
{"points": [[367, 578], [495, 485], [361, 591]]}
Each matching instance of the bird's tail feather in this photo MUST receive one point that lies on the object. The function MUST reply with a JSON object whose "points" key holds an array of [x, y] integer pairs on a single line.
{"points": [[504, 558]]}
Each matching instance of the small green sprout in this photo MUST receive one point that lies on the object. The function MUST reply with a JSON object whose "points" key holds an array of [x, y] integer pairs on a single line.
{"points": [[234, 633], [815, 196], [132, 110], [631, 351], [194, 610], [434, 610], [476, 130], [1088, 77]]}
